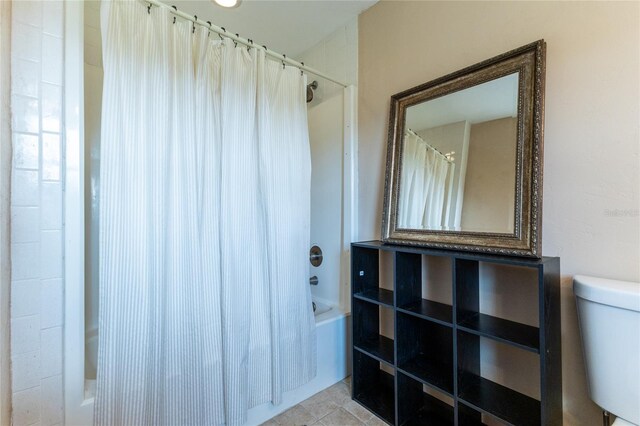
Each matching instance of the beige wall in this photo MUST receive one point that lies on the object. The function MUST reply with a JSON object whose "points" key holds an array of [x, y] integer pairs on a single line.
{"points": [[489, 190], [592, 168], [5, 179]]}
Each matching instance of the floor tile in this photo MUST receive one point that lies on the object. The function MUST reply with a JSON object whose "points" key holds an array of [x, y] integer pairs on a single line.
{"points": [[330, 407], [296, 416], [320, 405], [375, 421], [339, 393], [358, 411], [341, 417]]}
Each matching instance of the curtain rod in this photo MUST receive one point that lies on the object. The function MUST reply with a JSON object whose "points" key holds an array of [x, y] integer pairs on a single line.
{"points": [[246, 42], [428, 144]]}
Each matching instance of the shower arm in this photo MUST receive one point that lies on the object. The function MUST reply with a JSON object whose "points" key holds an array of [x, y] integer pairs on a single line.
{"points": [[243, 41]]}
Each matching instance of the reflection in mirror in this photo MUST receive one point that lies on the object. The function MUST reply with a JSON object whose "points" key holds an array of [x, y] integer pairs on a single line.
{"points": [[457, 168]]}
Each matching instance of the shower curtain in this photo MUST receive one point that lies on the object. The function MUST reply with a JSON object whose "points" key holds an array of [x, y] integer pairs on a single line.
{"points": [[423, 182], [205, 308]]}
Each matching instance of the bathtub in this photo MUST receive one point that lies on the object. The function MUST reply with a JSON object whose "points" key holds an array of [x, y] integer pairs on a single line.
{"points": [[333, 334]]}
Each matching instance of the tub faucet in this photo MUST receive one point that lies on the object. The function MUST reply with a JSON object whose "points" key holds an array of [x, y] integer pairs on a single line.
{"points": [[313, 280]]}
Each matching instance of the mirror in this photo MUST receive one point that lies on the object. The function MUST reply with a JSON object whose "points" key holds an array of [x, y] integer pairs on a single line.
{"points": [[458, 167], [464, 162]]}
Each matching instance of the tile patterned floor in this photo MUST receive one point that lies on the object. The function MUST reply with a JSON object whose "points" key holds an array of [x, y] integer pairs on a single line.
{"points": [[331, 407]]}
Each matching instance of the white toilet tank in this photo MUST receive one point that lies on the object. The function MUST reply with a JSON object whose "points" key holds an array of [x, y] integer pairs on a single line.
{"points": [[609, 316]]}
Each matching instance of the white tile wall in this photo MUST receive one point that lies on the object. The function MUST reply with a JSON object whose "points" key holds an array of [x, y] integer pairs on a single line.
{"points": [[25, 298], [26, 371], [51, 359], [26, 406], [51, 303], [51, 398], [26, 151], [36, 213], [25, 224]]}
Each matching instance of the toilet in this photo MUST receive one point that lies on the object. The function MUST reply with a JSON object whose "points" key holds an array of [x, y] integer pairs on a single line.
{"points": [[609, 317]]}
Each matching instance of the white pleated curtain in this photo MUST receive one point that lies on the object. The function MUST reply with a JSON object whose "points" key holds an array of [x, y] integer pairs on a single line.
{"points": [[205, 309], [423, 185]]}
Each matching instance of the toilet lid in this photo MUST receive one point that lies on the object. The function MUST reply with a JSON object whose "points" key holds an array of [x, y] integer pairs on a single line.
{"points": [[621, 294]]}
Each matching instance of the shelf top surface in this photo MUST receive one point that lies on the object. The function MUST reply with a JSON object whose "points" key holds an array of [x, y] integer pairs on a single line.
{"points": [[380, 296], [480, 257]]}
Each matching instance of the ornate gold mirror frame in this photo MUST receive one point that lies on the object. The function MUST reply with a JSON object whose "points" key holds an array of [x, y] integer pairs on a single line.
{"points": [[525, 240]]}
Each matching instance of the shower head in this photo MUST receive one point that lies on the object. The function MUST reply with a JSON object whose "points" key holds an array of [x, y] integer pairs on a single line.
{"points": [[310, 88]]}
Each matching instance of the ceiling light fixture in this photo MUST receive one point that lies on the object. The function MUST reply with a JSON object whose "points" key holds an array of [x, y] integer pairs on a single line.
{"points": [[227, 3]]}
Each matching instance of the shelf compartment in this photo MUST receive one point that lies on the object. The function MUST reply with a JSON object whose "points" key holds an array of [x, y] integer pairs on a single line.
{"points": [[425, 351], [483, 394], [429, 310], [521, 335], [416, 278], [416, 407], [369, 269], [373, 387], [367, 337], [365, 268], [499, 401], [470, 319], [378, 295]]}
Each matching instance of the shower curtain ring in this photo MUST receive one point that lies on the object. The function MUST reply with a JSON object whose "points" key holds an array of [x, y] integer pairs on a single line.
{"points": [[283, 58], [193, 30], [209, 32], [149, 9], [220, 35], [176, 9], [301, 71]]}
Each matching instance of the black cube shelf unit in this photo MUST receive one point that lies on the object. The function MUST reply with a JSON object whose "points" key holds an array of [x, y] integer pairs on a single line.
{"points": [[438, 345]]}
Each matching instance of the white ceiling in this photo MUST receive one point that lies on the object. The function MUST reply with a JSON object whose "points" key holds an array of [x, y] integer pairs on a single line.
{"points": [[288, 27], [488, 101]]}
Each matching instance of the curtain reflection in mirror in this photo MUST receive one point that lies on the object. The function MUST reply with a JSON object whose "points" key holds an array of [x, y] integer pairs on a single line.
{"points": [[425, 185]]}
